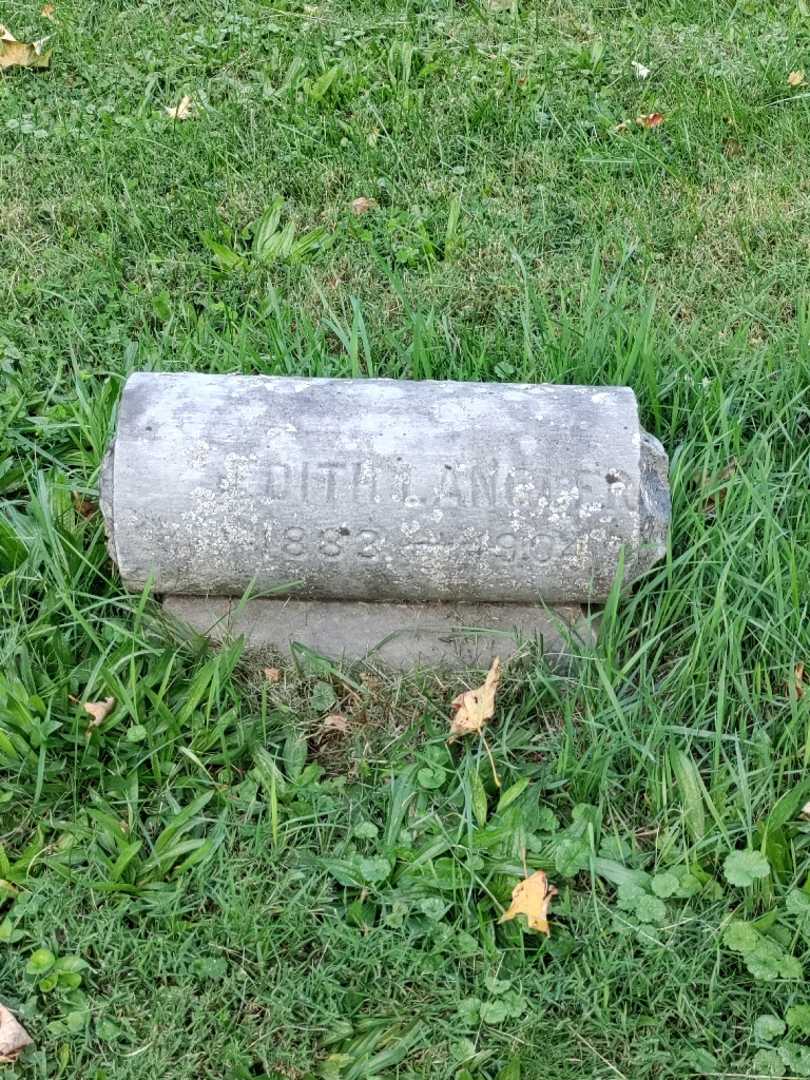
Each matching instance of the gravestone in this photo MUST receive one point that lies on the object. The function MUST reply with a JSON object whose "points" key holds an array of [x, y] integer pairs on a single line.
{"points": [[438, 507]]}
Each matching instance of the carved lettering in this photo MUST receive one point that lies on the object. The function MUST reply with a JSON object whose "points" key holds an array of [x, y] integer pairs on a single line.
{"points": [[519, 486], [484, 486], [449, 490], [278, 481], [330, 470], [374, 481], [364, 482]]}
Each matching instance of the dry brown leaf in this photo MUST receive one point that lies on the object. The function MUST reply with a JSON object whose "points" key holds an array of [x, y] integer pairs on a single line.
{"points": [[532, 897], [85, 508], [272, 674], [99, 711], [795, 78], [13, 1037], [650, 120], [336, 722], [798, 681], [48, 12], [25, 54], [362, 205], [474, 707], [183, 111], [718, 481]]}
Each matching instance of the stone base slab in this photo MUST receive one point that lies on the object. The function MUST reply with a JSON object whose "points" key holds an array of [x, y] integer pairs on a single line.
{"points": [[398, 636]]}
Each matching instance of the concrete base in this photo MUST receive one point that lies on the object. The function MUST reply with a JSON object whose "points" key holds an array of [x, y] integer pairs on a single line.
{"points": [[398, 636]]}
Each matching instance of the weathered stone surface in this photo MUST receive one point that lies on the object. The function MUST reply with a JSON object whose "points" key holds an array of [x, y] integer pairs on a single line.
{"points": [[398, 636], [381, 490]]}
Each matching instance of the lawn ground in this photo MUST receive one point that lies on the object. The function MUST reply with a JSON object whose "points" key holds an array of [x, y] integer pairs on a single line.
{"points": [[212, 883]]}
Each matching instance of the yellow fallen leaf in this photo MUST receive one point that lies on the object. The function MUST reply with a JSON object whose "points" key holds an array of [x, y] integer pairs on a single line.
{"points": [[13, 1037], [48, 12], [474, 707], [532, 897], [25, 54], [99, 711], [183, 111], [795, 78]]}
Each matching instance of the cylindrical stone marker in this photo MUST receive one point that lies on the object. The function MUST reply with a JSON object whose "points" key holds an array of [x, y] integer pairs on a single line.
{"points": [[376, 489]]}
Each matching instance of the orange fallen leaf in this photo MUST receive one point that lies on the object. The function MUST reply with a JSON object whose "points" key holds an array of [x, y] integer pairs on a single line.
{"points": [[272, 674], [99, 711], [25, 54], [798, 679], [795, 78], [362, 205], [183, 111], [48, 12], [532, 897], [13, 1037], [650, 120], [474, 707]]}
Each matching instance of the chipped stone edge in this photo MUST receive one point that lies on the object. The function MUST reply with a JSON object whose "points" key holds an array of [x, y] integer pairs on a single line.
{"points": [[106, 502], [655, 503]]}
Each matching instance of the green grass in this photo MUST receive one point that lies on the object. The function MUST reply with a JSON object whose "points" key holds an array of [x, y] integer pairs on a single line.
{"points": [[328, 905]]}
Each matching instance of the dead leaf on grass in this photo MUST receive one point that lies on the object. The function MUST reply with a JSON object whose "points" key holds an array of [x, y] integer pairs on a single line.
{"points": [[474, 707], [362, 205], [272, 674], [336, 722], [25, 54], [99, 711], [183, 111], [500, 5], [650, 120], [798, 681], [719, 482], [796, 78], [532, 897], [13, 1037], [85, 508], [48, 12], [641, 71]]}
